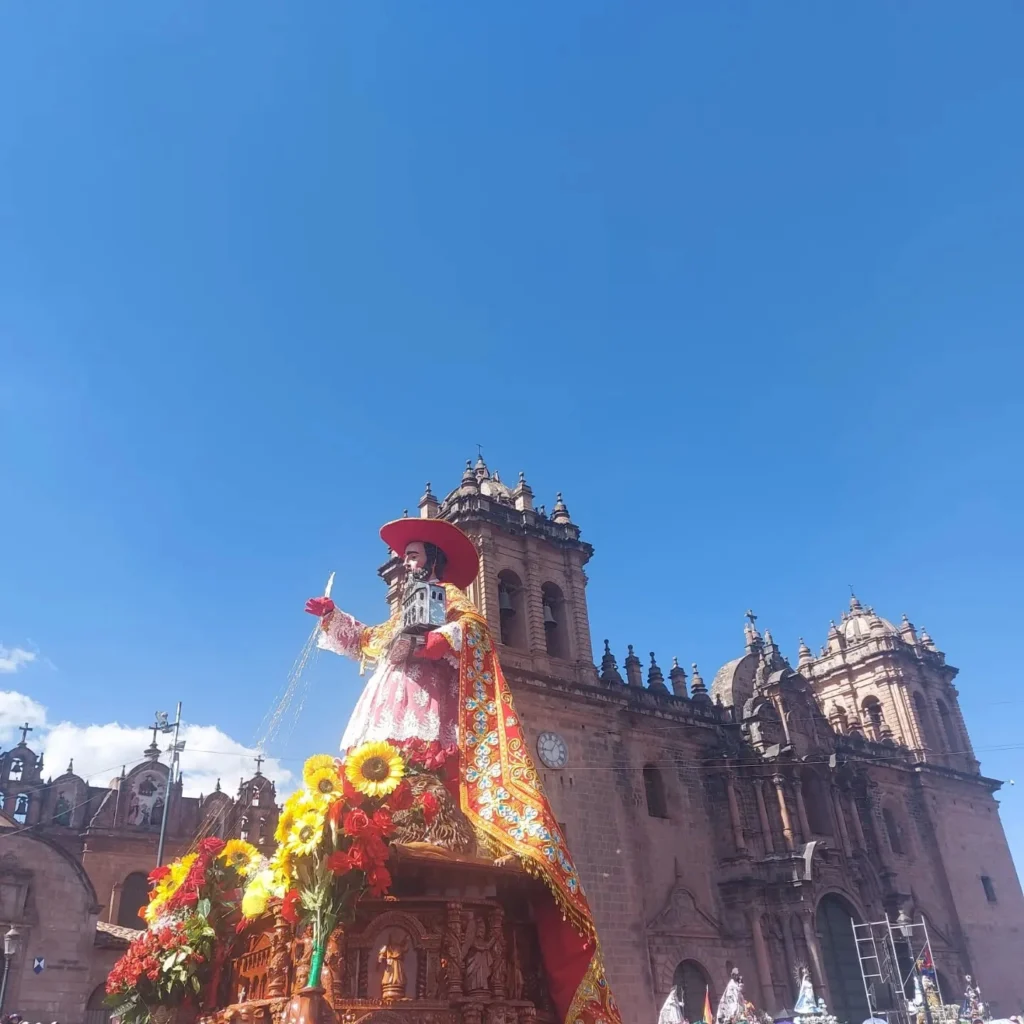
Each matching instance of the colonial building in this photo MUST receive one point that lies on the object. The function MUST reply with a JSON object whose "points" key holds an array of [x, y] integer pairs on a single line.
{"points": [[74, 860], [750, 822]]}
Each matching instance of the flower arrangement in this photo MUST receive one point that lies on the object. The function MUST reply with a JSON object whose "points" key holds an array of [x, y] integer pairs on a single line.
{"points": [[335, 834], [192, 910]]}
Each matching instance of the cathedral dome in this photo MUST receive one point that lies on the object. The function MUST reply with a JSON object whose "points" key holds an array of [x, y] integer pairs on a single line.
{"points": [[493, 488], [860, 623]]}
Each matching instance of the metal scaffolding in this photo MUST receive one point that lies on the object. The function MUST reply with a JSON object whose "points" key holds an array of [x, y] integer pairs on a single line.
{"points": [[893, 956]]}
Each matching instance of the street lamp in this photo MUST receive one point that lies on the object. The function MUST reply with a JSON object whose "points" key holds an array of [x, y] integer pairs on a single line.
{"points": [[903, 923], [12, 943]]}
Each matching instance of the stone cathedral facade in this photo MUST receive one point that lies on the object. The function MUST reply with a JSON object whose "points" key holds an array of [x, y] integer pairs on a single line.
{"points": [[751, 820]]}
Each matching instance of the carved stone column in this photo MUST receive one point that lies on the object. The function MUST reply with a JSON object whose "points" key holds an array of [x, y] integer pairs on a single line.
{"points": [[787, 825], [858, 825], [787, 941], [734, 814], [764, 971], [762, 813], [499, 953], [801, 811], [814, 952], [277, 973], [451, 951]]}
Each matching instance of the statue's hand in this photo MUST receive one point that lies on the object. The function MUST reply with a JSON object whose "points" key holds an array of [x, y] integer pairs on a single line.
{"points": [[320, 606]]}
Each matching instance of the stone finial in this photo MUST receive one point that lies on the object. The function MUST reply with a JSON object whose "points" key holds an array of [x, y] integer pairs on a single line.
{"points": [[698, 690], [907, 631], [428, 504], [926, 641], [560, 514], [405, 513], [885, 733], [480, 470], [71, 767], [655, 680], [805, 656], [469, 483], [522, 495], [855, 726], [542, 511], [634, 673], [610, 675], [217, 789], [856, 608], [677, 676]]}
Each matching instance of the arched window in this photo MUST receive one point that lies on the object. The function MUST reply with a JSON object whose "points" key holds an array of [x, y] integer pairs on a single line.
{"points": [[17, 769], [21, 808], [694, 982], [254, 801], [134, 896], [3, 799], [948, 729], [892, 831], [261, 831], [512, 610], [819, 816], [654, 788], [243, 829], [872, 709], [556, 633]]}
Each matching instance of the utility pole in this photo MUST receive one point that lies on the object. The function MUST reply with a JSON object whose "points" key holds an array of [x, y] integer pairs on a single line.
{"points": [[172, 772]]}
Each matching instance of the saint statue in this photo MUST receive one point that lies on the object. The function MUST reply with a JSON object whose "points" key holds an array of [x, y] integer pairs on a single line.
{"points": [[441, 683], [733, 1005], [805, 1003], [478, 961], [972, 1007], [393, 981], [673, 1010]]}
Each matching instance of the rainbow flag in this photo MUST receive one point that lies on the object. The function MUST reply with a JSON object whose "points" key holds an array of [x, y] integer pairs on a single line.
{"points": [[709, 1017]]}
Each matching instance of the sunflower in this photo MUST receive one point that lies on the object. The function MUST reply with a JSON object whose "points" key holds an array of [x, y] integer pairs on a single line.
{"points": [[375, 768], [295, 805], [314, 766], [305, 834], [324, 784], [279, 870], [240, 855]]}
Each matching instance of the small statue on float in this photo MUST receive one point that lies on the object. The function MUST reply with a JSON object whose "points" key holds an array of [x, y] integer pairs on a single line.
{"points": [[393, 981], [807, 1009], [735, 1008], [673, 1010], [972, 1008]]}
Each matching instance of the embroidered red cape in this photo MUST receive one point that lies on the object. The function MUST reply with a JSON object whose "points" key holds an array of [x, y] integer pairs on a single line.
{"points": [[501, 795]]}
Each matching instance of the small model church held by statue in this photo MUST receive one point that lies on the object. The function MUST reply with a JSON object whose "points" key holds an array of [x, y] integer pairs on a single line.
{"points": [[724, 823]]}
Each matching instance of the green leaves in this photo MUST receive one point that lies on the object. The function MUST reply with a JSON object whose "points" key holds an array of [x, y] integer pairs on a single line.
{"points": [[203, 908]]}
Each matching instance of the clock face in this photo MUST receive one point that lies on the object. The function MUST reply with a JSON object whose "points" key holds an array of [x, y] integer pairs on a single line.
{"points": [[552, 749]]}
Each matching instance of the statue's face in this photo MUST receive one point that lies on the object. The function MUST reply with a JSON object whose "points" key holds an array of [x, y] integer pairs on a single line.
{"points": [[415, 557]]}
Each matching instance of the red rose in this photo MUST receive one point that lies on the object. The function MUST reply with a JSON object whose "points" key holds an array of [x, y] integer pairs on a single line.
{"points": [[289, 906], [211, 845], [401, 799], [383, 823], [379, 880], [429, 806], [356, 822], [339, 862]]}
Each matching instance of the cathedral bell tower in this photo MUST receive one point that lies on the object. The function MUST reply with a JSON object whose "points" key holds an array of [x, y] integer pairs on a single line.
{"points": [[531, 586]]}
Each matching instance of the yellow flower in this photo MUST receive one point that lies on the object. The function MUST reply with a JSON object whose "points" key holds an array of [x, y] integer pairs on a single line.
{"points": [[240, 855], [305, 834], [298, 802], [316, 764], [375, 768], [255, 898]]}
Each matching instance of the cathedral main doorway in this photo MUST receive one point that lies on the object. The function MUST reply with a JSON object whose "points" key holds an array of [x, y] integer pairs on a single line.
{"points": [[835, 919], [696, 985]]}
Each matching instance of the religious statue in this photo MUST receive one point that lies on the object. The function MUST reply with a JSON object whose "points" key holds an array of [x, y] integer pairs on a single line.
{"points": [[478, 960], [393, 981], [732, 1007], [805, 1004], [437, 680], [972, 1007], [673, 1009]]}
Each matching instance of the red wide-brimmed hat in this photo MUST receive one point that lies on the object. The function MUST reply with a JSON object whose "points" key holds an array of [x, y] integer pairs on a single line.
{"points": [[463, 562]]}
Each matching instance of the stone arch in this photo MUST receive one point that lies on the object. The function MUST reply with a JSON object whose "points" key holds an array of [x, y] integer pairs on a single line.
{"points": [[556, 621], [134, 896], [512, 614], [695, 980], [834, 917], [948, 728]]}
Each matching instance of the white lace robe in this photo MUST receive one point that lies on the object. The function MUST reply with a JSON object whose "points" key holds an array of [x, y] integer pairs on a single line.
{"points": [[416, 699]]}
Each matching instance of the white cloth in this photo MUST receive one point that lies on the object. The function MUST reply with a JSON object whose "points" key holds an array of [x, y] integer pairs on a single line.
{"points": [[416, 699], [805, 996]]}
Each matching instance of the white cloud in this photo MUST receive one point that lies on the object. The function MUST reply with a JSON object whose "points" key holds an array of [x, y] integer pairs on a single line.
{"points": [[14, 658], [16, 709], [99, 751]]}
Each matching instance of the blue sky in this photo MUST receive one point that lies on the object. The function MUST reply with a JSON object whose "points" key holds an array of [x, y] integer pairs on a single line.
{"points": [[742, 281]]}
